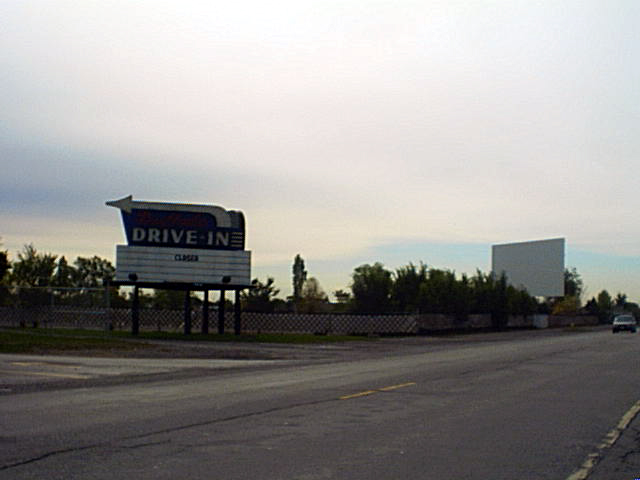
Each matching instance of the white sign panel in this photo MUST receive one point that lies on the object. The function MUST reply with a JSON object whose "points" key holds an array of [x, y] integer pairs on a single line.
{"points": [[183, 265], [537, 266]]}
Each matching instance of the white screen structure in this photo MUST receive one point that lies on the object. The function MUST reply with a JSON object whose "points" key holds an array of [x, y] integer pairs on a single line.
{"points": [[537, 266]]}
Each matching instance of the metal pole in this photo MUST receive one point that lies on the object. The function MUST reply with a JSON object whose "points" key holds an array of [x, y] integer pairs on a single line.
{"points": [[221, 312], [237, 314], [135, 312], [205, 313], [187, 313]]}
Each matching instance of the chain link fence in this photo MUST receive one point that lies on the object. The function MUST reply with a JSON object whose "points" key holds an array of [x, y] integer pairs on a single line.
{"points": [[99, 308], [95, 309], [174, 321], [55, 307]]}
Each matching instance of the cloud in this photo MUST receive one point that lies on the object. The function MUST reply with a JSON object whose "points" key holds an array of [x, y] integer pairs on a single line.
{"points": [[337, 127]]}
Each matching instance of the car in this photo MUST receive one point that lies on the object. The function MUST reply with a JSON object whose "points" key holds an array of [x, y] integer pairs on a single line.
{"points": [[624, 322]]}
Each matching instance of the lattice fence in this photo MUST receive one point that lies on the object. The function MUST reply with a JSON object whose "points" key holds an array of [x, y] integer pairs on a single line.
{"points": [[329, 323], [173, 321]]}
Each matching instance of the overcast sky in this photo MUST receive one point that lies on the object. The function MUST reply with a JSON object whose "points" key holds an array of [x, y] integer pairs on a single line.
{"points": [[347, 131]]}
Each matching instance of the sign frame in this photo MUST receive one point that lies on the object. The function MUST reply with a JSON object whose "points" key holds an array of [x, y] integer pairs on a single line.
{"points": [[166, 246]]}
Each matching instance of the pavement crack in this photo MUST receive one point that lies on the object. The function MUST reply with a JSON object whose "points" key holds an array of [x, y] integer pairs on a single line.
{"points": [[229, 418], [146, 444], [624, 457], [50, 454]]}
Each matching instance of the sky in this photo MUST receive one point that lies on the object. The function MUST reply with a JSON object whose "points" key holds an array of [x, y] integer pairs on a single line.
{"points": [[348, 132]]}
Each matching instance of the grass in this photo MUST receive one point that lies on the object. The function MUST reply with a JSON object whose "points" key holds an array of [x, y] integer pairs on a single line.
{"points": [[47, 341], [40, 340], [287, 338]]}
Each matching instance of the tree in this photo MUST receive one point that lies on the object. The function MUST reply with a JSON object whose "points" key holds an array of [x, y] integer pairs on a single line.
{"points": [[405, 292], [605, 306], [5, 265], [260, 297], [342, 296], [495, 296], [343, 301], [371, 289], [65, 274], [483, 286], [621, 301], [168, 299], [520, 302], [569, 305], [463, 299], [633, 309], [573, 284], [90, 275], [438, 293], [93, 272], [313, 299], [63, 279], [592, 306], [499, 307], [33, 269], [299, 277]]}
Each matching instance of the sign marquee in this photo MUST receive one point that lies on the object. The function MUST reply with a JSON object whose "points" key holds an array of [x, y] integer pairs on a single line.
{"points": [[182, 243], [182, 265], [156, 224]]}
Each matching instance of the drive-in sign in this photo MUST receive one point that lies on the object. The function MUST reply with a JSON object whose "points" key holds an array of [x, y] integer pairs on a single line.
{"points": [[157, 224], [182, 243]]}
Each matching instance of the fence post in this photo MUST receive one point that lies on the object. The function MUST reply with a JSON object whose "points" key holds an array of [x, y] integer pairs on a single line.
{"points": [[187, 312], [237, 314]]}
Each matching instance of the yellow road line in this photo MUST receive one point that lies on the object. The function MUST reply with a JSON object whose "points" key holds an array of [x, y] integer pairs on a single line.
{"points": [[370, 392], [395, 387], [609, 440], [359, 394]]}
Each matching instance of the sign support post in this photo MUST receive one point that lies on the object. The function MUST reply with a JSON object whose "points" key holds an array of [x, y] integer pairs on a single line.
{"points": [[135, 312], [205, 313], [237, 314], [187, 312], [221, 312]]}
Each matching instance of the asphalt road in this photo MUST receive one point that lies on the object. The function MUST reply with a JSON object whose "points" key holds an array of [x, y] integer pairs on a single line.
{"points": [[524, 405]]}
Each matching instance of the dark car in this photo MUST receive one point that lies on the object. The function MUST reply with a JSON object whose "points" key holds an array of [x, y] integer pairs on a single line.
{"points": [[624, 322]]}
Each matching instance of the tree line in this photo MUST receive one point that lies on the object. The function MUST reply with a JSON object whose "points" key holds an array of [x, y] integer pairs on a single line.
{"points": [[37, 278], [420, 289], [374, 289], [25, 280], [409, 289]]}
